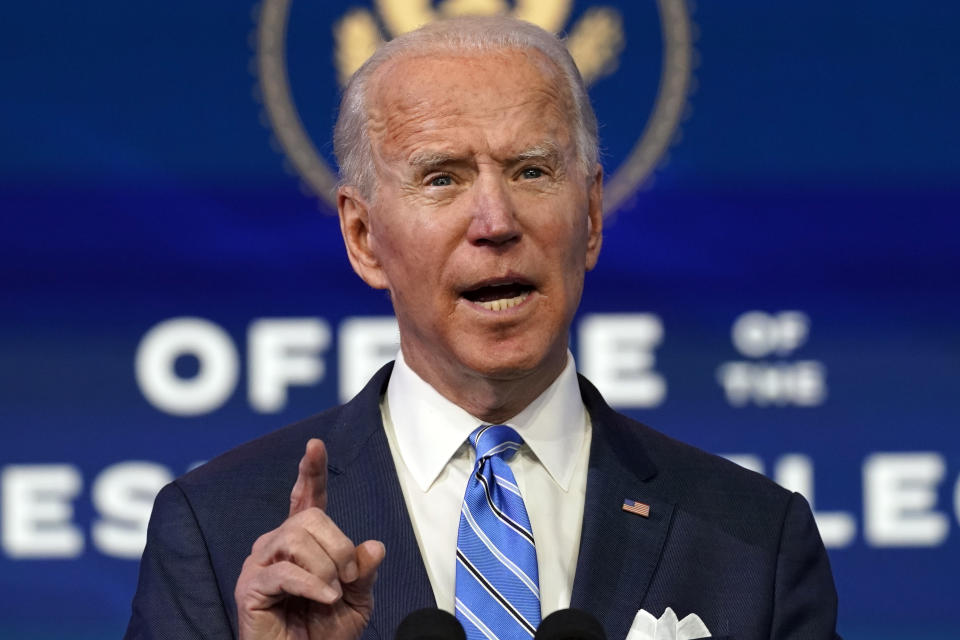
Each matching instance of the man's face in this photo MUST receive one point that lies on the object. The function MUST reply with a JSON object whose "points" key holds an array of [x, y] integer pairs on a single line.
{"points": [[483, 223]]}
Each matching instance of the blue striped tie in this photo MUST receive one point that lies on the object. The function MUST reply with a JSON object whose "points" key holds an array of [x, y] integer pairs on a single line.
{"points": [[498, 586]]}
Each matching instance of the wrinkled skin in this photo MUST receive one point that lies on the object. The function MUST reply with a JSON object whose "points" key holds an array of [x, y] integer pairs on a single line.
{"points": [[478, 183]]}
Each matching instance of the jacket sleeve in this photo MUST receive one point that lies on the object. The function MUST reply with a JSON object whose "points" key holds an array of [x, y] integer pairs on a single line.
{"points": [[177, 595], [805, 599]]}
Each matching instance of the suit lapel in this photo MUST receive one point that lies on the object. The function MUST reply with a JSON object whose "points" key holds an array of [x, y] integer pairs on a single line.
{"points": [[362, 471], [619, 551]]}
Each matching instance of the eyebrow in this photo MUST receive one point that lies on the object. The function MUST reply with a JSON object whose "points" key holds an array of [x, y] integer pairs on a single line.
{"points": [[545, 151], [541, 151], [427, 159]]}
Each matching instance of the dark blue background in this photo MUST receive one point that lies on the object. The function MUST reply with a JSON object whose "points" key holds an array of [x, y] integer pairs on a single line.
{"points": [[817, 171]]}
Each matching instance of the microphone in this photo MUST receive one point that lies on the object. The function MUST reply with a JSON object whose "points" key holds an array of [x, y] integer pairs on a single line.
{"points": [[430, 624], [570, 624]]}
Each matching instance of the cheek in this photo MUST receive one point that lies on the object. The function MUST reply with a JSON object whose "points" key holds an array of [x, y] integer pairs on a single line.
{"points": [[412, 261], [568, 251], [392, 251], [569, 244]]}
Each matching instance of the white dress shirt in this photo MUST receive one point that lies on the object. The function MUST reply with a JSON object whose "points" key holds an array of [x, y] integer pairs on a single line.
{"points": [[428, 439]]}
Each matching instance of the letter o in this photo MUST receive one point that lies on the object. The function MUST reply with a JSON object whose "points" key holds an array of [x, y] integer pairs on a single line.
{"points": [[204, 392], [754, 334]]}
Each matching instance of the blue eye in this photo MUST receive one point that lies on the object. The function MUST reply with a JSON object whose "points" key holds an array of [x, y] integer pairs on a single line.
{"points": [[441, 181], [532, 173]]}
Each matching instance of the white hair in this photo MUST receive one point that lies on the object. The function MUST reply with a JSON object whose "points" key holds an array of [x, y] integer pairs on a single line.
{"points": [[473, 34]]}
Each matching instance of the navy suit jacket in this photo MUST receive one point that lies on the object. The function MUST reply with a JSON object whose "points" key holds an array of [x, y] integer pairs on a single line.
{"points": [[720, 541]]}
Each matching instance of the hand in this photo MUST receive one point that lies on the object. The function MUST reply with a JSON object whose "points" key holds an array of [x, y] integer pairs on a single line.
{"points": [[306, 579]]}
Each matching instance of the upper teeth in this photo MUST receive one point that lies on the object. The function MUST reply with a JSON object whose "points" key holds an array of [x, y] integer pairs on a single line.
{"points": [[504, 303]]}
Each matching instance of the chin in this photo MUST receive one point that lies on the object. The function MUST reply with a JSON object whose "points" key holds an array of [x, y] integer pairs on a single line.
{"points": [[505, 361]]}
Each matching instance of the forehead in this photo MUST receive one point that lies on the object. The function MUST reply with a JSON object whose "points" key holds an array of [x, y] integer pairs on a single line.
{"points": [[499, 99]]}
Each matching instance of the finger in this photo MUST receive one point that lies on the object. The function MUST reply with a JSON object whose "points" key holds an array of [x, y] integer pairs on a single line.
{"points": [[267, 586], [310, 489], [370, 555], [334, 543], [310, 538], [294, 543]]}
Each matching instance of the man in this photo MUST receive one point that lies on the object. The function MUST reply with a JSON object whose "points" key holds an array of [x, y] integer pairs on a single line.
{"points": [[472, 193]]}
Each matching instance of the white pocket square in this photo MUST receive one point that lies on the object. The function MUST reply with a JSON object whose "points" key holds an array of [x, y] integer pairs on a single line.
{"points": [[646, 627]]}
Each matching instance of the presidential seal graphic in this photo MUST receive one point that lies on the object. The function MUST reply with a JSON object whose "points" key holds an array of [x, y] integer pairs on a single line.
{"points": [[636, 58]]}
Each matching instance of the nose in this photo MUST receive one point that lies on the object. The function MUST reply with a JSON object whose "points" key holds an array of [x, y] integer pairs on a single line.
{"points": [[494, 220]]}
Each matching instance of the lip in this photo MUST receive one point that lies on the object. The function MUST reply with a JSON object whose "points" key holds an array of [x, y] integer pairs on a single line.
{"points": [[508, 279]]}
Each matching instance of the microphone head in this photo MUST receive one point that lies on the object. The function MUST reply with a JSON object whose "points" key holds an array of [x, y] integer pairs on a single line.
{"points": [[570, 624], [430, 624]]}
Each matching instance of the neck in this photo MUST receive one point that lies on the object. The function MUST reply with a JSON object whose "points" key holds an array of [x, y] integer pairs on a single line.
{"points": [[491, 398]]}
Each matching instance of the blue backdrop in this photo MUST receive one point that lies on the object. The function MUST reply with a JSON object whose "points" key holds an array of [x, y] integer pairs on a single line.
{"points": [[782, 287]]}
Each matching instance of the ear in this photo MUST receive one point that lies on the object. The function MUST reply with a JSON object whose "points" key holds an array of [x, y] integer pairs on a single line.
{"points": [[355, 225], [594, 218]]}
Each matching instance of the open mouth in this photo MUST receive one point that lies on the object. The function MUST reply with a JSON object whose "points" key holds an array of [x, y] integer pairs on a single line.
{"points": [[499, 296]]}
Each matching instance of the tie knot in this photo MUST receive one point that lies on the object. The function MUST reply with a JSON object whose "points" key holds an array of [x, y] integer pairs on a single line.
{"points": [[495, 440]]}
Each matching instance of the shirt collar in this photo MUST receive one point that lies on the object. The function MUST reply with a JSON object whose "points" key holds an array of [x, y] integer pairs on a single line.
{"points": [[429, 429]]}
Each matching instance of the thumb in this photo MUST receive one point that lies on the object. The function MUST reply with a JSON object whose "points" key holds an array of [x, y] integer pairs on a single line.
{"points": [[369, 556]]}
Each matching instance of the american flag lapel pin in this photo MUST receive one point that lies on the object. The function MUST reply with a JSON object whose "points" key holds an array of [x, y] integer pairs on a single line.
{"points": [[639, 508]]}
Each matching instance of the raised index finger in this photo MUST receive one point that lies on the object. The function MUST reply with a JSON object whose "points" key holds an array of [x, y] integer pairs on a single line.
{"points": [[310, 489]]}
